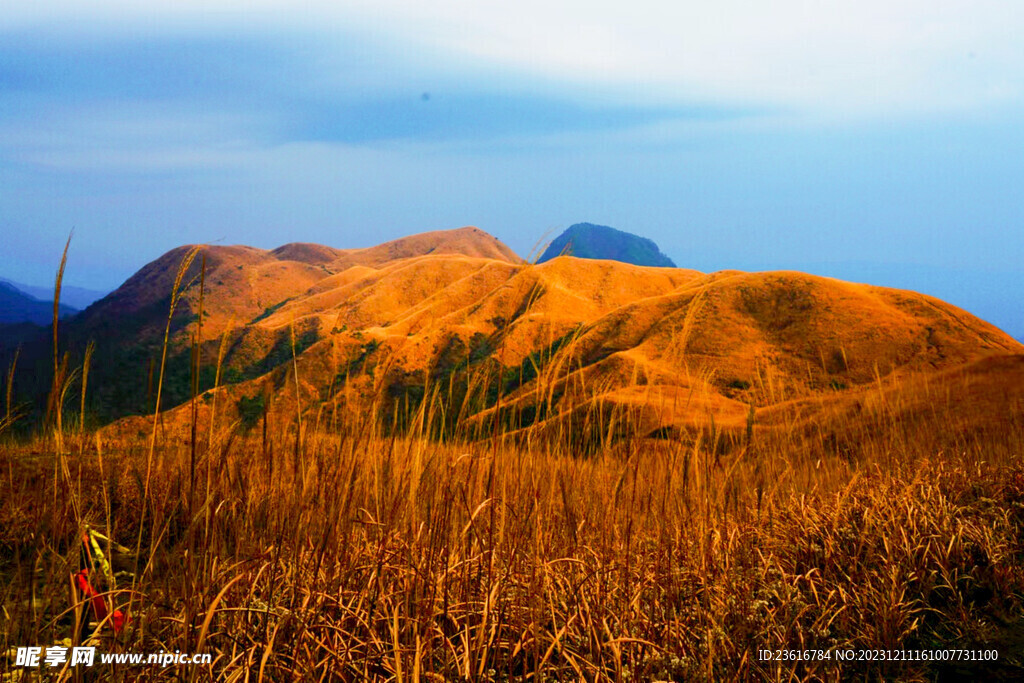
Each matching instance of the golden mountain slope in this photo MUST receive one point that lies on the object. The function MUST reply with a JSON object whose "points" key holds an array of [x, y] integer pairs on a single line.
{"points": [[241, 286], [468, 241], [242, 282], [673, 348]]}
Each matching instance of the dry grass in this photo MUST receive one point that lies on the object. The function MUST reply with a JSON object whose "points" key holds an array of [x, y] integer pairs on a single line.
{"points": [[351, 556], [337, 549]]}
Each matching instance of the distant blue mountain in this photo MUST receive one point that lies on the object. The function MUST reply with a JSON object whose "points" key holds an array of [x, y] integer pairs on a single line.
{"points": [[75, 297], [586, 240], [17, 306]]}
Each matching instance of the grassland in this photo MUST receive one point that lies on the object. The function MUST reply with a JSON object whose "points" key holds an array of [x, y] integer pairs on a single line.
{"points": [[347, 555], [329, 545]]}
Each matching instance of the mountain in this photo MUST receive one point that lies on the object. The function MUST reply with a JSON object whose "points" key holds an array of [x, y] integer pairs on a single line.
{"points": [[245, 283], [75, 297], [589, 241], [17, 306], [455, 317], [242, 287]]}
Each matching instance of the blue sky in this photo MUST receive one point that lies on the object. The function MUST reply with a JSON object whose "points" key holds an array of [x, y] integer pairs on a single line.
{"points": [[857, 140]]}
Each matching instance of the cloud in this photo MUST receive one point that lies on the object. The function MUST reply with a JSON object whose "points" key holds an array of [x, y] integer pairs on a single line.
{"points": [[172, 101], [837, 57]]}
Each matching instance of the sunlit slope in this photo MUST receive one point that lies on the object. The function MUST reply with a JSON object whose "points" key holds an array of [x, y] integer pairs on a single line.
{"points": [[428, 300], [468, 241], [241, 283], [953, 411], [729, 343], [657, 348], [235, 288], [768, 336]]}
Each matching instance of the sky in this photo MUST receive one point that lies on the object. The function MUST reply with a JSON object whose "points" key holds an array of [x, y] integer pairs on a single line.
{"points": [[872, 141]]}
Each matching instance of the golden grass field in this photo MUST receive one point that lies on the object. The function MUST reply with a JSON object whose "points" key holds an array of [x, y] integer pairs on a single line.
{"points": [[651, 523]]}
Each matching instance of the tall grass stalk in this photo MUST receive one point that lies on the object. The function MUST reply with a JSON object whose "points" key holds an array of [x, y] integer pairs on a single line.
{"points": [[176, 292], [195, 367], [9, 415]]}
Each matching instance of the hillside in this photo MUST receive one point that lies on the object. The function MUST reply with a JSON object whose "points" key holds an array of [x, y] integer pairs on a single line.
{"points": [[589, 241], [241, 286], [467, 241], [535, 347]]}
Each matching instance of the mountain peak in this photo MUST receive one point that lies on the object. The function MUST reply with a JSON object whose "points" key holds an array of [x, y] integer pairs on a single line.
{"points": [[467, 241], [590, 241]]}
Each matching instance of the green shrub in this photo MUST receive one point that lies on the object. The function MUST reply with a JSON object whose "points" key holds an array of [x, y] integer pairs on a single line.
{"points": [[250, 410]]}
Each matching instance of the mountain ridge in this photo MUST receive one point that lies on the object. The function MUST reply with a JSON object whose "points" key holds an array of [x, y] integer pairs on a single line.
{"points": [[456, 310]]}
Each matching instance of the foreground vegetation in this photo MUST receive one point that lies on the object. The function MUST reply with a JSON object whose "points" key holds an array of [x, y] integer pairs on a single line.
{"points": [[353, 557]]}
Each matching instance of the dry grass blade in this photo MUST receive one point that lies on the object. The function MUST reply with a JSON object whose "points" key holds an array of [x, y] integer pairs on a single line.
{"points": [[176, 292]]}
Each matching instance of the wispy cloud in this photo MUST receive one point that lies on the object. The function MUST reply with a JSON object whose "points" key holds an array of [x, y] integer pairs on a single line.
{"points": [[871, 57], [176, 99]]}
